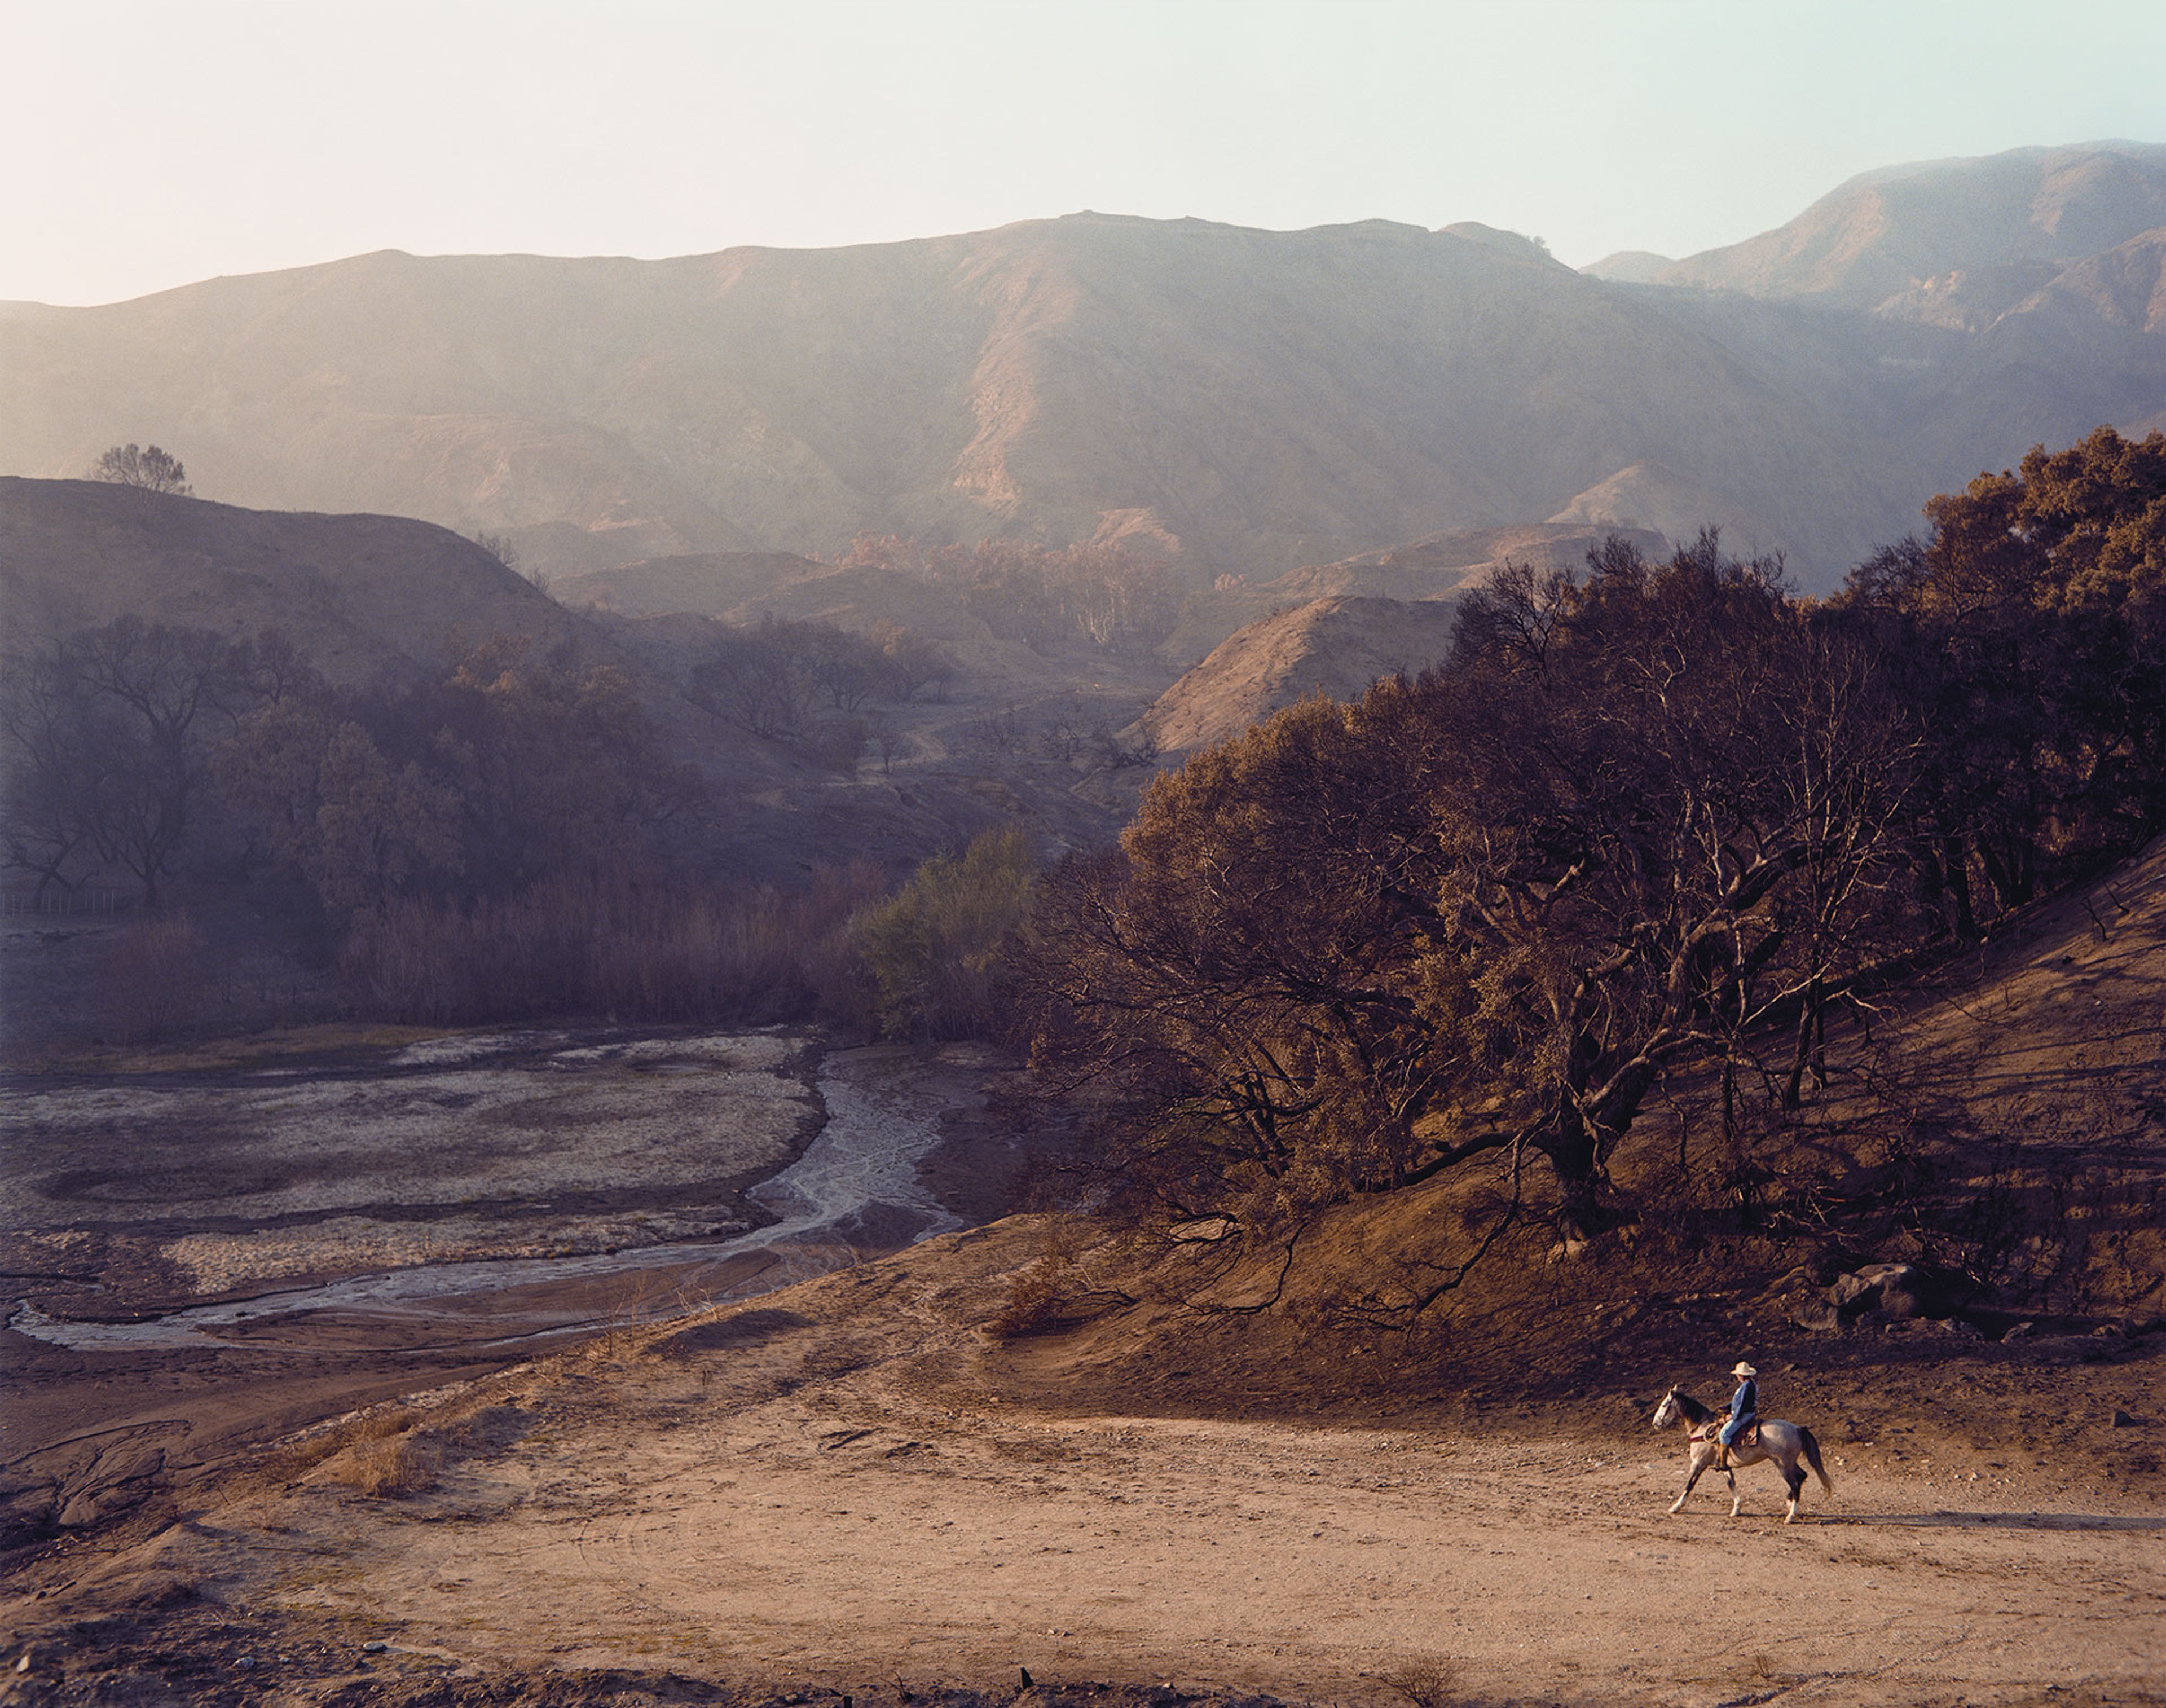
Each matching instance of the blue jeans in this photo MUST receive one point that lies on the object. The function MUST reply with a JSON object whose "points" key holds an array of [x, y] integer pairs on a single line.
{"points": [[1736, 1427]]}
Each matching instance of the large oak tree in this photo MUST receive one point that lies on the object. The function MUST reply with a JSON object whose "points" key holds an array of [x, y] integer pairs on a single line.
{"points": [[1635, 821]]}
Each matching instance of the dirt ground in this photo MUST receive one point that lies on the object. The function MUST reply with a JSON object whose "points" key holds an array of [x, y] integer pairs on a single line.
{"points": [[850, 1487]]}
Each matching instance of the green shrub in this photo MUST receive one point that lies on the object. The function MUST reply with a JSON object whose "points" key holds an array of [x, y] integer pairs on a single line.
{"points": [[935, 948]]}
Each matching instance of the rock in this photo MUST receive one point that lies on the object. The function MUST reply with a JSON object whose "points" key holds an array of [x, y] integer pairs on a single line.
{"points": [[2122, 1420], [1899, 1291], [1802, 1299], [2021, 1331], [1847, 1291]]}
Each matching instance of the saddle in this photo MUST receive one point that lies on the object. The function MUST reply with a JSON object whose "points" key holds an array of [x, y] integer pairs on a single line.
{"points": [[1749, 1436]]}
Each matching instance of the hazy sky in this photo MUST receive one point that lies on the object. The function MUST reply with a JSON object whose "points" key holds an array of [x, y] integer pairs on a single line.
{"points": [[153, 144]]}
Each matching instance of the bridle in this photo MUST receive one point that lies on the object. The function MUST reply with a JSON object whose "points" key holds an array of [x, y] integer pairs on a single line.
{"points": [[1693, 1432]]}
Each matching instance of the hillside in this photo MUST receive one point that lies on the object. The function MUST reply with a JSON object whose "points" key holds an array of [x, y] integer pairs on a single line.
{"points": [[1335, 647], [698, 584], [373, 598], [746, 588], [1956, 312], [360, 594], [1435, 568]]}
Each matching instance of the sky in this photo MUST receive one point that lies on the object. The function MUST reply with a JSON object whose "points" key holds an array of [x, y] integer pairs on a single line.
{"points": [[152, 143]]}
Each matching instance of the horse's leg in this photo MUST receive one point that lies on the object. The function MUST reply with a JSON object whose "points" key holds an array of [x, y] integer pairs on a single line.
{"points": [[1736, 1499], [1794, 1475], [1700, 1459]]}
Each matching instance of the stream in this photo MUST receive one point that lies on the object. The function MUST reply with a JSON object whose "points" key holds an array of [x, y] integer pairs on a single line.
{"points": [[854, 1190]]}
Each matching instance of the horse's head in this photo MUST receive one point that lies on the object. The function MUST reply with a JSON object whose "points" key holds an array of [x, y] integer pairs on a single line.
{"points": [[1668, 1412]]}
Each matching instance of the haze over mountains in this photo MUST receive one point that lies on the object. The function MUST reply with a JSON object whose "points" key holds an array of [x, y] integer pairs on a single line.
{"points": [[1951, 243], [1240, 402]]}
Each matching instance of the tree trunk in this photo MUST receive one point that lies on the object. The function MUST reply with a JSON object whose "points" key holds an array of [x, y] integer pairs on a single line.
{"points": [[1574, 1156]]}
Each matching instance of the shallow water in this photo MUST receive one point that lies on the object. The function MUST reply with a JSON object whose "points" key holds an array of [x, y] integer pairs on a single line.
{"points": [[855, 1187]]}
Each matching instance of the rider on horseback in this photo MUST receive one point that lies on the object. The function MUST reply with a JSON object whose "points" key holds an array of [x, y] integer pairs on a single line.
{"points": [[1744, 1413]]}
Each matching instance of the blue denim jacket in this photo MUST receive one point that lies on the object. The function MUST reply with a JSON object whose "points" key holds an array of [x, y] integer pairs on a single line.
{"points": [[1746, 1401]]}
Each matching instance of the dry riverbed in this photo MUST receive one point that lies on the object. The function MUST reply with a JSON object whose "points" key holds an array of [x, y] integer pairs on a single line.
{"points": [[197, 1254]]}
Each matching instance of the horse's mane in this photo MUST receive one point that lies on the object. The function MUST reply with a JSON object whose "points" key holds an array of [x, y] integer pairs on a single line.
{"points": [[1695, 1413]]}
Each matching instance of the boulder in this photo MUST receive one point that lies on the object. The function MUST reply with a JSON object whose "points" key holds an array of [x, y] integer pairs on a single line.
{"points": [[1803, 1301], [1898, 1291]]}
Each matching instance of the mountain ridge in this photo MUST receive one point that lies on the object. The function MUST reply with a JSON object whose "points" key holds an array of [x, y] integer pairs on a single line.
{"points": [[1234, 400]]}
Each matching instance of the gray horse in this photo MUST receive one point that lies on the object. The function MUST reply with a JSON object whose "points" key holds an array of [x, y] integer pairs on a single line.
{"points": [[1785, 1444]]}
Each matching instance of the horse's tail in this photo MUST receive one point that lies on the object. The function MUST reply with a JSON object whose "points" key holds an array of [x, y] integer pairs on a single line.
{"points": [[1812, 1449]]}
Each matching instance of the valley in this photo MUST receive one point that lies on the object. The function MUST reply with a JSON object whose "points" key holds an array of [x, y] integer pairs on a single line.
{"points": [[1059, 967]]}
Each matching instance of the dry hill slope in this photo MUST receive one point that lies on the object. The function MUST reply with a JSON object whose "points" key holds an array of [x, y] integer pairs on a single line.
{"points": [[1333, 647], [357, 594], [1435, 568]]}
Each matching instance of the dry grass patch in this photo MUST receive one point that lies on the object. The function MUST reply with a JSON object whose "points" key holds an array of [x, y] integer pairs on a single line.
{"points": [[395, 1465], [400, 1448], [374, 1451]]}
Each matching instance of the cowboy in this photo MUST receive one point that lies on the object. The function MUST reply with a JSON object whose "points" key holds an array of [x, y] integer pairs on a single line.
{"points": [[1744, 1413]]}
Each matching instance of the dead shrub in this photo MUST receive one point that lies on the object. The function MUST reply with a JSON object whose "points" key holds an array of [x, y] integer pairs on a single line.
{"points": [[632, 948], [152, 985], [1052, 1293], [1430, 1683], [1029, 1307]]}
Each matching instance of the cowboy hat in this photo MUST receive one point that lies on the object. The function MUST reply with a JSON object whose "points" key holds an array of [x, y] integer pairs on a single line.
{"points": [[1744, 1369]]}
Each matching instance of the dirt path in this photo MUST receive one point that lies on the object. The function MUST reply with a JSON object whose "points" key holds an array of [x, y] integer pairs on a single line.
{"points": [[826, 1489]]}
